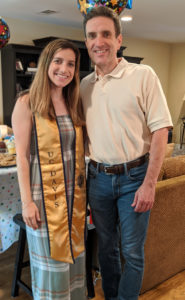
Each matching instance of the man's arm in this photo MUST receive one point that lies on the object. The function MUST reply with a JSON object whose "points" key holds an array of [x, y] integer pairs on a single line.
{"points": [[145, 195]]}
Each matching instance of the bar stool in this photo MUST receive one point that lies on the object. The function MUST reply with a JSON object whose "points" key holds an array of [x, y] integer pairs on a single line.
{"points": [[182, 129], [89, 255], [19, 263]]}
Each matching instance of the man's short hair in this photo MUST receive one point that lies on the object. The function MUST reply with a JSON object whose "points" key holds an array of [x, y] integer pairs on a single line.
{"points": [[103, 11]]}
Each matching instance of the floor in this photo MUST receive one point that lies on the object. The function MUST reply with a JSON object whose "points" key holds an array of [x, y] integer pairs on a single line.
{"points": [[172, 289]]}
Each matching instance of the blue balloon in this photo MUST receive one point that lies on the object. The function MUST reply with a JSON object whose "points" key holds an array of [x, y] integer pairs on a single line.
{"points": [[86, 5], [129, 4]]}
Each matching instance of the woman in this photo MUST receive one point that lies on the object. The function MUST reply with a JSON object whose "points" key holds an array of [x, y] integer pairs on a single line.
{"points": [[51, 171]]}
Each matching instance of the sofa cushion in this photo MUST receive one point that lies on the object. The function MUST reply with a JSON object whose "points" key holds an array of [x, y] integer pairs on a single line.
{"points": [[161, 173], [173, 166], [168, 153]]}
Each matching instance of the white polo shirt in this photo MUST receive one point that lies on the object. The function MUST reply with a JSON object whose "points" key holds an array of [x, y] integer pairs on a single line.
{"points": [[122, 109]]}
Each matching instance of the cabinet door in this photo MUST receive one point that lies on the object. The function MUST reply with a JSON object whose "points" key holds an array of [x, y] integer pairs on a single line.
{"points": [[8, 82], [26, 66], [15, 60]]}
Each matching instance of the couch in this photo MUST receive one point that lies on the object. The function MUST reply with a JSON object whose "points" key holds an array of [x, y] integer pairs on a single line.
{"points": [[165, 243]]}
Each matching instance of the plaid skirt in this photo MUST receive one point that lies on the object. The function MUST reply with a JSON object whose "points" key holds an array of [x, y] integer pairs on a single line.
{"points": [[52, 279]]}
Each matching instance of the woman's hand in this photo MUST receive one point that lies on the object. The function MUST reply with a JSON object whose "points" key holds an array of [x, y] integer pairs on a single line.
{"points": [[31, 215]]}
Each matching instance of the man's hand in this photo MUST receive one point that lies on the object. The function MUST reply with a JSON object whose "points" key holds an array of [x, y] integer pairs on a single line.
{"points": [[144, 198]]}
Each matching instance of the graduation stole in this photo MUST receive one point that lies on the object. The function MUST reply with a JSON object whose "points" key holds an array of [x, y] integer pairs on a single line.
{"points": [[66, 232]]}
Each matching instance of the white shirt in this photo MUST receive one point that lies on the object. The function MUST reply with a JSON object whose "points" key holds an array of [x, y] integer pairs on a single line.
{"points": [[122, 109]]}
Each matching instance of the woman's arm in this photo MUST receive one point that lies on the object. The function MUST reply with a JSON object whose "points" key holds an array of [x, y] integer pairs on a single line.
{"points": [[22, 126]]}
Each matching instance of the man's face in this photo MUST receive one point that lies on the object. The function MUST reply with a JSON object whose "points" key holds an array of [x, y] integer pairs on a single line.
{"points": [[102, 43]]}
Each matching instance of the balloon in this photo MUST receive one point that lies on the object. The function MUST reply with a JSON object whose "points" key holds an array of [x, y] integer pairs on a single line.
{"points": [[4, 33], [129, 4], [86, 5]]}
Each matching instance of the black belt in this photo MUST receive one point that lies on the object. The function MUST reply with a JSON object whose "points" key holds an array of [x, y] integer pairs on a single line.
{"points": [[119, 169]]}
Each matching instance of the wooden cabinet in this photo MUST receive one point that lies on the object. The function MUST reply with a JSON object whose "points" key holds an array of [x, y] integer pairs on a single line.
{"points": [[15, 60], [14, 80]]}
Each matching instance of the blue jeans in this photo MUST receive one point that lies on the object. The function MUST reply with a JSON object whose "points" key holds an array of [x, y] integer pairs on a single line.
{"points": [[110, 198]]}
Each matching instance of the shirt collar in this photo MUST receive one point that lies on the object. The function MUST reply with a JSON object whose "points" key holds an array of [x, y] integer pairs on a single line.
{"points": [[116, 72]]}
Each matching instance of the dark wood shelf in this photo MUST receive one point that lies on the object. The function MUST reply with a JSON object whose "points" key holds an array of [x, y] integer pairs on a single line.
{"points": [[24, 75], [133, 59]]}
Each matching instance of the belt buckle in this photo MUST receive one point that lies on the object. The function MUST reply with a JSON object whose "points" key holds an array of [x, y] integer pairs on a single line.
{"points": [[106, 171]]}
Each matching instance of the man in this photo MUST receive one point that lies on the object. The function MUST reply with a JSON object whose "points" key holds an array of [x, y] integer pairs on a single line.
{"points": [[126, 118]]}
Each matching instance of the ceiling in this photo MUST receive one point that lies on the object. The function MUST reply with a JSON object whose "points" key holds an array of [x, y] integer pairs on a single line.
{"points": [[161, 20]]}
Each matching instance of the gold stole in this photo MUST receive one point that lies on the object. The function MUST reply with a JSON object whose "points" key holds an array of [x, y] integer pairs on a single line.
{"points": [[66, 237]]}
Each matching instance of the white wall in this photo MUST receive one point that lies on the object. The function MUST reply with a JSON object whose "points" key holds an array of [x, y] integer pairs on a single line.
{"points": [[23, 32], [155, 54]]}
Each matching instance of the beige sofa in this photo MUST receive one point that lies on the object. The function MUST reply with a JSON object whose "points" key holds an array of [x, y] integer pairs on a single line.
{"points": [[165, 244]]}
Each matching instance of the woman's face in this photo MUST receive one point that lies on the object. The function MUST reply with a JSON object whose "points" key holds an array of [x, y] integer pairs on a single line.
{"points": [[62, 68]]}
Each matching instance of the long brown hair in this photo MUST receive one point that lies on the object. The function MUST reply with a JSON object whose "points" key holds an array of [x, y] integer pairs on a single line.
{"points": [[39, 93]]}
